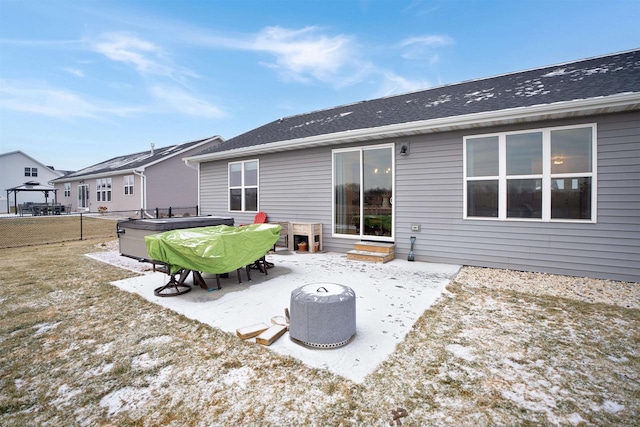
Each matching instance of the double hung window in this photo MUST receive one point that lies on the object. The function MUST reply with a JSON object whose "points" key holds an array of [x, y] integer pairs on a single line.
{"points": [[67, 189], [128, 185], [543, 175], [243, 186], [103, 190]]}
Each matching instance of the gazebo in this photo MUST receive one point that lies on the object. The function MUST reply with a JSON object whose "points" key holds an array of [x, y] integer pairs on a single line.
{"points": [[31, 186]]}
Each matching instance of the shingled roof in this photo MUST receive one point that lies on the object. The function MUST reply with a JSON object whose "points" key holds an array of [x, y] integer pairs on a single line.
{"points": [[588, 79], [136, 161]]}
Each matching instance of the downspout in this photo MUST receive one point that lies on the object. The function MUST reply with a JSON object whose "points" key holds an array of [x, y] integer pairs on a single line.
{"points": [[143, 189], [197, 168]]}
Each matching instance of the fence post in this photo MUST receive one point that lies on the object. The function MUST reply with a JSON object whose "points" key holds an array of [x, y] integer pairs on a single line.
{"points": [[157, 213], [170, 212], [196, 210], [80, 225]]}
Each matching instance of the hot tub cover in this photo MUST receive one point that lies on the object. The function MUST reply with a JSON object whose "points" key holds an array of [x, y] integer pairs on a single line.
{"points": [[160, 225], [216, 250]]}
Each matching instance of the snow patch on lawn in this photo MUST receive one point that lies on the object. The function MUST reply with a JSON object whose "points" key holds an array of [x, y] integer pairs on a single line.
{"points": [[144, 362], [42, 328], [125, 399], [66, 394], [104, 348], [612, 407], [132, 398], [461, 352], [240, 377]]}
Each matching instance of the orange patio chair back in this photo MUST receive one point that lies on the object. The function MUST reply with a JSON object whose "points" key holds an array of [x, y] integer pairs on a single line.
{"points": [[261, 218]]}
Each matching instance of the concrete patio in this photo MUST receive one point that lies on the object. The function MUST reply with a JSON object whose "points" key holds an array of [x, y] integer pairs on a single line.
{"points": [[389, 299]]}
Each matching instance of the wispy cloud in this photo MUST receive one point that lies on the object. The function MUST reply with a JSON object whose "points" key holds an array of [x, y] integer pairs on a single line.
{"points": [[423, 47], [36, 98], [305, 52], [183, 102], [144, 56], [393, 84], [41, 99], [74, 71], [418, 7], [312, 54], [301, 55], [56, 44]]}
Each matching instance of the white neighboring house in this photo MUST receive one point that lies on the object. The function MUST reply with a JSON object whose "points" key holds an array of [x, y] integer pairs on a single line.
{"points": [[18, 168]]}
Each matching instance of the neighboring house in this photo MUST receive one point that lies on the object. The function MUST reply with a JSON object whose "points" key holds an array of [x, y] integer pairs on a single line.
{"points": [[17, 169], [157, 178], [536, 170]]}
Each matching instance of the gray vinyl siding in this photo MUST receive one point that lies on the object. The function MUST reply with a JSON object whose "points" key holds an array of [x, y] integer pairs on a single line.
{"points": [[296, 186], [293, 186], [429, 186]]}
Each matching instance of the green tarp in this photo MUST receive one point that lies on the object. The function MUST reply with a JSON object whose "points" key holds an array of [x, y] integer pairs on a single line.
{"points": [[217, 250]]}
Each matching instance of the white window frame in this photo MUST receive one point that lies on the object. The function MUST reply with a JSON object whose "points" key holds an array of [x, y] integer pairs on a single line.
{"points": [[361, 150], [547, 176], [103, 189], [129, 183], [84, 196], [242, 187], [67, 189]]}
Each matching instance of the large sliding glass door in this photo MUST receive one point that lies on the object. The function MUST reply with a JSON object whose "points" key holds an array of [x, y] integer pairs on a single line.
{"points": [[363, 192]]}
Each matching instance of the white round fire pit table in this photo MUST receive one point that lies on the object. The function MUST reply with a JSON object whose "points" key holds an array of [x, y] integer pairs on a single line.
{"points": [[322, 315]]}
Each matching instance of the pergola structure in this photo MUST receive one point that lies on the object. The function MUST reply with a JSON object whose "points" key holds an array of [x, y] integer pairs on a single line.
{"points": [[31, 186]]}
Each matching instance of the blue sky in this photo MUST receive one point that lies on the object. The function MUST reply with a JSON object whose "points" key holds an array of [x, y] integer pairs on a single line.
{"points": [[84, 81]]}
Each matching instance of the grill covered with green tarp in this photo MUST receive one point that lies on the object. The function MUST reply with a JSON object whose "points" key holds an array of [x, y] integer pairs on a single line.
{"points": [[219, 249]]}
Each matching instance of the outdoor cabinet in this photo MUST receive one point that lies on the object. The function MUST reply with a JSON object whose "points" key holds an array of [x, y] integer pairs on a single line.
{"points": [[309, 230]]}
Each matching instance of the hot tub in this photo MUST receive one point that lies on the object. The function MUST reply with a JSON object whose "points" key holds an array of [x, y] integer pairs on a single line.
{"points": [[131, 232]]}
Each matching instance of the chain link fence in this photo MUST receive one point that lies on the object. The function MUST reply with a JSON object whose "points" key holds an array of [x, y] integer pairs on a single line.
{"points": [[27, 230]]}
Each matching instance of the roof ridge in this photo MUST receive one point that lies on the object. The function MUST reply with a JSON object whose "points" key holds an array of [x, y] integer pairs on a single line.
{"points": [[563, 83]]}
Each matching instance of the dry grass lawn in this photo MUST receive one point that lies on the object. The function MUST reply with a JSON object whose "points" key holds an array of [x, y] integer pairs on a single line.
{"points": [[76, 350], [27, 231]]}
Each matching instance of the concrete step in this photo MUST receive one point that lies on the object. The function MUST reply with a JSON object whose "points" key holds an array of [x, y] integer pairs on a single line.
{"points": [[380, 247], [370, 256]]}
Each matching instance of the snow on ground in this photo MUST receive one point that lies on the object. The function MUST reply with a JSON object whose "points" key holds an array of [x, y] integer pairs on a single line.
{"points": [[389, 299]]}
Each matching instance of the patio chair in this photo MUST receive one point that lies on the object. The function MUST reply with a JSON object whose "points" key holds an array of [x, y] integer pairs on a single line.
{"points": [[260, 218], [260, 264]]}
